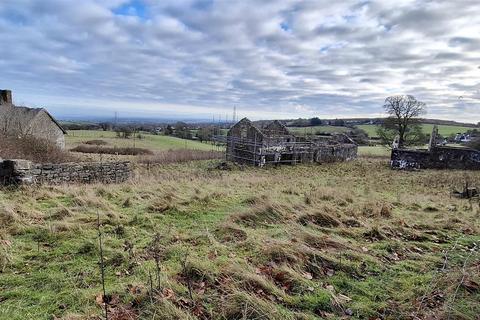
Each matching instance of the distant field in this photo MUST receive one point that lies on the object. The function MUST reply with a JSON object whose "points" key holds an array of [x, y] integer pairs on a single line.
{"points": [[149, 141], [444, 130], [377, 151], [315, 129]]}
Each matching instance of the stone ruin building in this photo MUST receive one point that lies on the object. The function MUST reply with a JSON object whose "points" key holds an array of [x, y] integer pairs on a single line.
{"points": [[435, 157], [22, 121], [273, 143], [17, 121]]}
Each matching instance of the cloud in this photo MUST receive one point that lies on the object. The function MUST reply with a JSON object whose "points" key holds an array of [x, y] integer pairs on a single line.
{"points": [[271, 59]]}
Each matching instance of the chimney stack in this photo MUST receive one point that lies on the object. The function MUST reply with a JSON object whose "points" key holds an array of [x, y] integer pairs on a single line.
{"points": [[5, 97]]}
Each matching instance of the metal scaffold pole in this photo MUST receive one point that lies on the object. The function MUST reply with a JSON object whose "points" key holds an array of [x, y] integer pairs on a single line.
{"points": [[255, 150]]}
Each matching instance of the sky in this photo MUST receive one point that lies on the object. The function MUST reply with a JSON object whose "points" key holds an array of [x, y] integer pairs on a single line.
{"points": [[197, 59]]}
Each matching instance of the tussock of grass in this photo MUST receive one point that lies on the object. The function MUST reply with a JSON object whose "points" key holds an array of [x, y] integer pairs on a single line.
{"points": [[320, 218], [61, 214], [323, 241], [168, 311], [352, 222], [230, 234], [160, 206], [243, 305], [374, 209], [281, 252], [264, 213], [8, 215]]}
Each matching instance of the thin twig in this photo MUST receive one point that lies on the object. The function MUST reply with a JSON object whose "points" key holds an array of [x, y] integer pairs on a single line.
{"points": [[151, 285], [187, 276], [102, 266]]}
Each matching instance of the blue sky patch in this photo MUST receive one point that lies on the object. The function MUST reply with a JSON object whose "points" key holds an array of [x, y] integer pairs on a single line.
{"points": [[285, 26], [132, 8]]}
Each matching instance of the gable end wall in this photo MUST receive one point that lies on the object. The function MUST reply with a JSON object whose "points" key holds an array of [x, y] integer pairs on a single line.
{"points": [[43, 127]]}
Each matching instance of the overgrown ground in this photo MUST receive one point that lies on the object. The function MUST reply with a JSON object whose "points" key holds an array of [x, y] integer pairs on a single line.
{"points": [[353, 240]]}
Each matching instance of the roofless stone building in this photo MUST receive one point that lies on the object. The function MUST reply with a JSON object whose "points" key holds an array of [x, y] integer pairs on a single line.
{"points": [[435, 157], [275, 144], [22, 121]]}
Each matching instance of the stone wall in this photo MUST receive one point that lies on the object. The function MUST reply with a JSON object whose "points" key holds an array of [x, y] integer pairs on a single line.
{"points": [[334, 153], [27, 172], [436, 158], [43, 127]]}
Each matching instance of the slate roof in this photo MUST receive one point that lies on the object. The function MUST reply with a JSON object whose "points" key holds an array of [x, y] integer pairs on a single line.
{"points": [[23, 116]]}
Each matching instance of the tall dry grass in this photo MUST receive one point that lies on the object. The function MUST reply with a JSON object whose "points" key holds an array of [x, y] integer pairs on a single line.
{"points": [[32, 148], [177, 156], [98, 149]]}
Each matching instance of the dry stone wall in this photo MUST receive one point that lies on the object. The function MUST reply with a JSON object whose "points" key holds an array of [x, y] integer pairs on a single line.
{"points": [[27, 172]]}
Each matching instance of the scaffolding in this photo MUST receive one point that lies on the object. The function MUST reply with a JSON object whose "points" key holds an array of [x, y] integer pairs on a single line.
{"points": [[275, 152], [275, 145]]}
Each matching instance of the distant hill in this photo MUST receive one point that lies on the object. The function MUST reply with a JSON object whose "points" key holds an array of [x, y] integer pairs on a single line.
{"points": [[364, 121]]}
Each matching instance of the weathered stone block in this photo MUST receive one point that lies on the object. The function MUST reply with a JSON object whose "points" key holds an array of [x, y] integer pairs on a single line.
{"points": [[21, 164]]}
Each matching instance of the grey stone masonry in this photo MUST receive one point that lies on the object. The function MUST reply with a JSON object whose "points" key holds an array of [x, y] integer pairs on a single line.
{"points": [[27, 172], [436, 158]]}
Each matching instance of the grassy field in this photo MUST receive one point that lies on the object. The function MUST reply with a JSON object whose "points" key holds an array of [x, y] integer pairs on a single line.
{"points": [[315, 129], [295, 242], [427, 128], [148, 141], [376, 151], [371, 129]]}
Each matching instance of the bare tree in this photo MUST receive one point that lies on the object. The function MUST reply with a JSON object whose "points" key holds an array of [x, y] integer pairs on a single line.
{"points": [[403, 121]]}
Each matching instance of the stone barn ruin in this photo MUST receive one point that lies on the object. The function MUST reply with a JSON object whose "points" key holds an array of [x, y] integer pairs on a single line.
{"points": [[436, 157], [248, 143], [21, 121]]}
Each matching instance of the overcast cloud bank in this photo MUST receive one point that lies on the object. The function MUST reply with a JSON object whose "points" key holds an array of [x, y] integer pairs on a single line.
{"points": [[272, 59]]}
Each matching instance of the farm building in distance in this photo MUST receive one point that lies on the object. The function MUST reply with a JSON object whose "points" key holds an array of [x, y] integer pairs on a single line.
{"points": [[436, 157], [275, 144], [22, 121]]}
